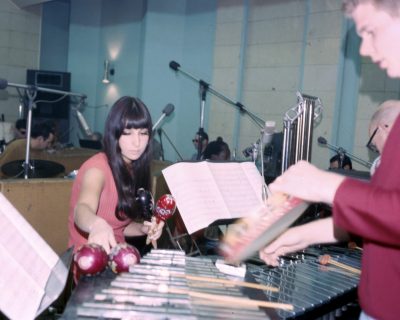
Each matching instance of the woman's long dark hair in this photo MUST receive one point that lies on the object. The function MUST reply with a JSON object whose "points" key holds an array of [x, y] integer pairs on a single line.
{"points": [[128, 113]]}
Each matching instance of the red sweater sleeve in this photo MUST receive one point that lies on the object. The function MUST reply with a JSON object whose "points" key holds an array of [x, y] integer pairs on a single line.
{"points": [[369, 211]]}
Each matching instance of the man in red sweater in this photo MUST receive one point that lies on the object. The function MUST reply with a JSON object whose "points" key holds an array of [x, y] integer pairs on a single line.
{"points": [[368, 209]]}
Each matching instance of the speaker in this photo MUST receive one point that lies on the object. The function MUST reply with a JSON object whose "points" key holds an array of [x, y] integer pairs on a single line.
{"points": [[51, 106]]}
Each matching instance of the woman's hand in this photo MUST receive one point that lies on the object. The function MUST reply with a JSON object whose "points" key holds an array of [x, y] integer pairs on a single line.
{"points": [[153, 229], [102, 233]]}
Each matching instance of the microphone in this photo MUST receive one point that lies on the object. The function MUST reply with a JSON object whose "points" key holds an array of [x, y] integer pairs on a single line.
{"points": [[168, 109], [3, 84], [268, 132], [322, 140], [83, 123], [174, 65]]}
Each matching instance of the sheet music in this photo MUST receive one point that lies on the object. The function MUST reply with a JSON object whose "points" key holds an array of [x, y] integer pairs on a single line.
{"points": [[240, 186], [26, 264], [210, 191]]}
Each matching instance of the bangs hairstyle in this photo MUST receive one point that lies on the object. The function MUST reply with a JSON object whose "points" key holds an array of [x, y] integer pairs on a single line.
{"points": [[128, 113]]}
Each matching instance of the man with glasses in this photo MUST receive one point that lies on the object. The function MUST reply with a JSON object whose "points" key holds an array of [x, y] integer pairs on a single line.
{"points": [[200, 142], [370, 210], [381, 123]]}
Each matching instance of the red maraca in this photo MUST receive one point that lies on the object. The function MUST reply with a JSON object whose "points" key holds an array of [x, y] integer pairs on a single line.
{"points": [[164, 209], [91, 259], [122, 256]]}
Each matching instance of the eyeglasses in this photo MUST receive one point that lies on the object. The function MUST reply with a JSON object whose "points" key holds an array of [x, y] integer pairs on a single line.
{"points": [[370, 145], [195, 140]]}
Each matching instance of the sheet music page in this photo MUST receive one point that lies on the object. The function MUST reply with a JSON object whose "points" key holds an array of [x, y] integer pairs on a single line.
{"points": [[240, 186], [206, 191], [26, 263], [254, 177], [197, 196], [20, 294]]}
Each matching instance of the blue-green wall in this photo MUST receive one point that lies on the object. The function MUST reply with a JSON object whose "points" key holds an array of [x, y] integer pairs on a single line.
{"points": [[139, 38], [55, 36]]}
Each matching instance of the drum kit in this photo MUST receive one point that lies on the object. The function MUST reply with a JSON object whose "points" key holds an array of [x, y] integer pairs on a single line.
{"points": [[15, 169]]}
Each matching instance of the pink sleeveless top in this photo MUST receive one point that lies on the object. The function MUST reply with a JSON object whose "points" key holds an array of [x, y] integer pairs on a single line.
{"points": [[107, 204]]}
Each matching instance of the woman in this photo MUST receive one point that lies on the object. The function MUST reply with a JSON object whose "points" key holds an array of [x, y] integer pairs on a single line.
{"points": [[103, 208], [217, 150]]}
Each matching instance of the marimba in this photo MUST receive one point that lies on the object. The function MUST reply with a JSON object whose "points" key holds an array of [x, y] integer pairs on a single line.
{"points": [[169, 285]]}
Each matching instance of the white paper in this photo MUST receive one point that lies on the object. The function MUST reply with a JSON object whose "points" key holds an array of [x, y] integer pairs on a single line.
{"points": [[26, 262], [209, 191]]}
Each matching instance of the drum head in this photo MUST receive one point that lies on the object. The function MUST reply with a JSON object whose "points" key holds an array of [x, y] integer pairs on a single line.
{"points": [[37, 169]]}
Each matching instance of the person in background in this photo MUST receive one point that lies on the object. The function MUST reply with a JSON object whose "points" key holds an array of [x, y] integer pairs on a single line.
{"points": [[20, 129], [217, 150], [203, 137], [379, 128], [42, 138], [370, 210], [345, 162], [103, 206]]}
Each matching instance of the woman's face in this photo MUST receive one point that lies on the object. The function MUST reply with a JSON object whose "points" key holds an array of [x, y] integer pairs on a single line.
{"points": [[133, 143]]}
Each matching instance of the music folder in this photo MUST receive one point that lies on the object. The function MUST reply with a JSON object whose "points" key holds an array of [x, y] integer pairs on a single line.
{"points": [[32, 275]]}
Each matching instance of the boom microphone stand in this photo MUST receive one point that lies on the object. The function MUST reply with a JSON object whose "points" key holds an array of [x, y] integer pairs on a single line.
{"points": [[342, 152], [161, 143], [207, 87], [203, 93], [31, 92], [170, 142]]}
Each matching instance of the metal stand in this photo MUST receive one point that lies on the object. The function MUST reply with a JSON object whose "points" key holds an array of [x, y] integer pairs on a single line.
{"points": [[260, 122], [170, 142], [203, 93], [159, 131], [342, 152], [175, 240], [31, 92]]}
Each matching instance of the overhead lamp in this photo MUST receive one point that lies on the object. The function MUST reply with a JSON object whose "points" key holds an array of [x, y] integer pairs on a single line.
{"points": [[108, 71]]}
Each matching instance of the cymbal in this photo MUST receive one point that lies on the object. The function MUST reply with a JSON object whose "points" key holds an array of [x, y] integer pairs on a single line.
{"points": [[37, 169]]}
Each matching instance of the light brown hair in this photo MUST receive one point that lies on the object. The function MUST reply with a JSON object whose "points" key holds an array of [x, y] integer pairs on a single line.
{"points": [[391, 6]]}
